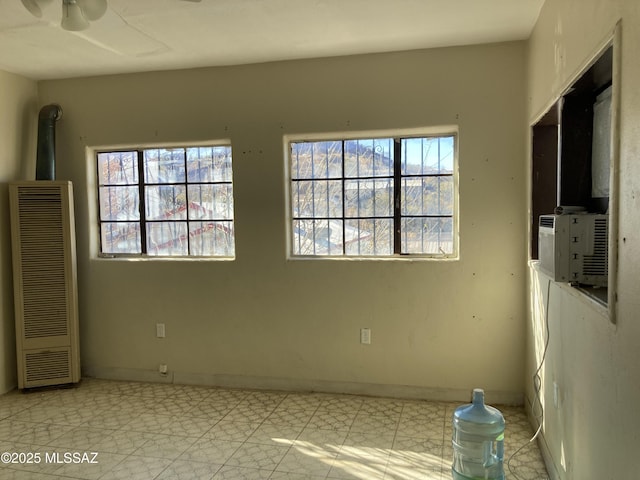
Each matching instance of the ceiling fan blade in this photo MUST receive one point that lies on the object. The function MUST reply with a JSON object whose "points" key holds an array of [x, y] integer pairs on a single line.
{"points": [[35, 6]]}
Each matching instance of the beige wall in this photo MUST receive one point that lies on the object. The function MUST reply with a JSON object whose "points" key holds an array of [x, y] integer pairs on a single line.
{"points": [[593, 433], [438, 328], [18, 119]]}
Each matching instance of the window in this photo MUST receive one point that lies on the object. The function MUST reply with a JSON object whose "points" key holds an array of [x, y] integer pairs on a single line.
{"points": [[374, 197], [574, 167], [166, 202]]}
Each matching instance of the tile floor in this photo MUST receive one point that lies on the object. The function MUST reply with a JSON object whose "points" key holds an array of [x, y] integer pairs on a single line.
{"points": [[143, 431]]}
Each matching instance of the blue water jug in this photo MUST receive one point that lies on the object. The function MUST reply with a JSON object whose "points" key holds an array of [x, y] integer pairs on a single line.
{"points": [[478, 441]]}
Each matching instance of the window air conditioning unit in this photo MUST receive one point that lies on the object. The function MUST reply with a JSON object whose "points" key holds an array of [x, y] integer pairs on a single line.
{"points": [[45, 285], [573, 248]]}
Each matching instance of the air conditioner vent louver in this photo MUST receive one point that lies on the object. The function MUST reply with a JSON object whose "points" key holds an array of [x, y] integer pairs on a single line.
{"points": [[597, 264], [45, 289], [547, 221]]}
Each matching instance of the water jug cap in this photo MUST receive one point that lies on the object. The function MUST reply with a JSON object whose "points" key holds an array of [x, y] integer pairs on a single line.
{"points": [[478, 396]]}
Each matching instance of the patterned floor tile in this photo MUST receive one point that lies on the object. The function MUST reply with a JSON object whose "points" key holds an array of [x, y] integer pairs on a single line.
{"points": [[164, 446], [9, 410], [274, 435], [295, 401], [73, 416], [332, 439], [228, 395], [293, 418], [80, 437], [249, 413], [164, 431], [147, 422], [338, 403], [241, 473], [211, 451], [38, 413], [347, 467], [310, 460], [111, 420], [380, 424], [332, 420], [234, 431], [10, 429], [172, 406], [188, 426], [137, 468], [8, 474], [293, 476], [120, 442], [42, 433], [382, 407], [369, 439], [193, 393], [183, 470], [408, 444], [91, 471], [258, 455]]}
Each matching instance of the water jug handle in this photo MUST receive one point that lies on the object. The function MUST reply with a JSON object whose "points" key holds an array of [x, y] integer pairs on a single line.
{"points": [[488, 458]]}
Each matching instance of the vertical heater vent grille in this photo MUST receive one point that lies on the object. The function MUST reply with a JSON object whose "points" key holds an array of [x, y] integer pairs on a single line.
{"points": [[45, 282], [43, 262], [44, 366]]}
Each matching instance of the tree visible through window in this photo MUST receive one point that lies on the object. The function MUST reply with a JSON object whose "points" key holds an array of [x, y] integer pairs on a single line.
{"points": [[167, 202], [373, 197]]}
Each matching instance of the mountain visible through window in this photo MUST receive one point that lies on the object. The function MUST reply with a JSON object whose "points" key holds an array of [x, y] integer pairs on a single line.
{"points": [[373, 197]]}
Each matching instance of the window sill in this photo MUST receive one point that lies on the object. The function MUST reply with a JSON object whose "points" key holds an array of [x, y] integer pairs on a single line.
{"points": [[120, 258], [595, 297], [397, 258]]}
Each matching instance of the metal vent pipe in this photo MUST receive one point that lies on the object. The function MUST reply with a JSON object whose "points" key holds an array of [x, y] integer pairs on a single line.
{"points": [[46, 155]]}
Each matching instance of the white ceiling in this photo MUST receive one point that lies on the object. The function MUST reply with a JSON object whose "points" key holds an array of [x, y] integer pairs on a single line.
{"points": [[146, 35]]}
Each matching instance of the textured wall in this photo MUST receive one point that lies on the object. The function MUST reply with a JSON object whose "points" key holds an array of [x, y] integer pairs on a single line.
{"points": [[18, 128], [593, 432], [440, 328]]}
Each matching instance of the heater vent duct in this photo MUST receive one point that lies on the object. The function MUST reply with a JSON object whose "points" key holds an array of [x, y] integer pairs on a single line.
{"points": [[46, 156]]}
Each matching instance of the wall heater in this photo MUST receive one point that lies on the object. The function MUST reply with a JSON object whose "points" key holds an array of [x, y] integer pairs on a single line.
{"points": [[45, 282]]}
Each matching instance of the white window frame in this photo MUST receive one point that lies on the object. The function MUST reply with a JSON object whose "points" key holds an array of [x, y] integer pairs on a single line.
{"points": [[440, 131], [94, 153]]}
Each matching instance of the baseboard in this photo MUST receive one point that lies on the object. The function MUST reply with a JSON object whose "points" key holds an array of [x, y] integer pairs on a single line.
{"points": [[303, 385]]}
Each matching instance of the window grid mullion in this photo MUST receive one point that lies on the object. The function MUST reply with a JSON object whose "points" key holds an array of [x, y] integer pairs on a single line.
{"points": [[439, 199], [186, 198], [344, 202], [422, 188], [358, 192], [373, 169], [298, 196], [141, 194], [313, 199], [397, 188]]}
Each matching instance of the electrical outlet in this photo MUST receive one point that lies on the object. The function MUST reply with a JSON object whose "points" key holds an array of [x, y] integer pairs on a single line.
{"points": [[365, 336], [162, 368], [160, 332]]}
